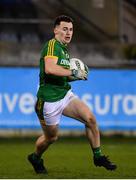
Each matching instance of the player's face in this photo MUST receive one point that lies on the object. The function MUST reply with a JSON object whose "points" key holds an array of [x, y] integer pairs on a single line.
{"points": [[64, 32]]}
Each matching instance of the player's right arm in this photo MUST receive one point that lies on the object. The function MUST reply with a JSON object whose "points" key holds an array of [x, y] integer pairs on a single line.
{"points": [[51, 55], [51, 67]]}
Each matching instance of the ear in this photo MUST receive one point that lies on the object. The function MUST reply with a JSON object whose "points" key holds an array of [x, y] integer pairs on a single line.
{"points": [[56, 30]]}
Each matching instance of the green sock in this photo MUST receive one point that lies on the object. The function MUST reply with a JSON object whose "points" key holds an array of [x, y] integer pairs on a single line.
{"points": [[97, 152]]}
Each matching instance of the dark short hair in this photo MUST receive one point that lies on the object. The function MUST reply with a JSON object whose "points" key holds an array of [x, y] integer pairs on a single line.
{"points": [[62, 18]]}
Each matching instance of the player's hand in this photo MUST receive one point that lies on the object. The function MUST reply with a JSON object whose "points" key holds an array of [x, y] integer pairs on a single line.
{"points": [[79, 74], [86, 68], [72, 78]]}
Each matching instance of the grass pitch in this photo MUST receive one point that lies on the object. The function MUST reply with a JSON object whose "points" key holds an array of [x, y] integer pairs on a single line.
{"points": [[68, 158]]}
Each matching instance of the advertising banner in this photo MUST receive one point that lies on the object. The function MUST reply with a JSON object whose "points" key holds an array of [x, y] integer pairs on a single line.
{"points": [[110, 94]]}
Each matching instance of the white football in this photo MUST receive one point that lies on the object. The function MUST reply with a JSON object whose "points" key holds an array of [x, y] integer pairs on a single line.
{"points": [[76, 64]]}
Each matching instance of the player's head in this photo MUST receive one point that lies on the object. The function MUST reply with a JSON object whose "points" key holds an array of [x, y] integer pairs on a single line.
{"points": [[63, 29]]}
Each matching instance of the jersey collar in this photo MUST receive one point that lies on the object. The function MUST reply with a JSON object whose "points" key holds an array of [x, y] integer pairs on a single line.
{"points": [[61, 44]]}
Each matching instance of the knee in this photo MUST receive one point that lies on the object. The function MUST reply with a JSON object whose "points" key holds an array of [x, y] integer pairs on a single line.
{"points": [[52, 139], [91, 121]]}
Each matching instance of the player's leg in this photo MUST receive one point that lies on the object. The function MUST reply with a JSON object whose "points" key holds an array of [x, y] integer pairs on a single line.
{"points": [[49, 126], [49, 136], [42, 144], [80, 111]]}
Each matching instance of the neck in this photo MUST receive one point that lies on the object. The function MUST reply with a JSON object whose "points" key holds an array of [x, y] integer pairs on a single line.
{"points": [[60, 41]]}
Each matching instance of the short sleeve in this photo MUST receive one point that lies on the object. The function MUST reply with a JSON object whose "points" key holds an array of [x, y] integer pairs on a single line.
{"points": [[52, 49]]}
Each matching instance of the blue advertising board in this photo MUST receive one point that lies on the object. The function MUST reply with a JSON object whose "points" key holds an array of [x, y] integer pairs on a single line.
{"points": [[110, 94]]}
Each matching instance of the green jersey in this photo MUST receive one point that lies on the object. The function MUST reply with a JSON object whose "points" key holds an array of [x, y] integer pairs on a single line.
{"points": [[53, 88]]}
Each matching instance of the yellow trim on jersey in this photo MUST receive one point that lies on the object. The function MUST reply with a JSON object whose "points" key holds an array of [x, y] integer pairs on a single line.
{"points": [[54, 57], [43, 122], [51, 47]]}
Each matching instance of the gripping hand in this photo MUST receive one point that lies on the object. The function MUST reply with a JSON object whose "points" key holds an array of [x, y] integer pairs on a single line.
{"points": [[86, 68], [79, 74]]}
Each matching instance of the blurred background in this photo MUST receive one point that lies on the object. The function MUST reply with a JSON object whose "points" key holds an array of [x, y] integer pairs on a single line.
{"points": [[104, 38]]}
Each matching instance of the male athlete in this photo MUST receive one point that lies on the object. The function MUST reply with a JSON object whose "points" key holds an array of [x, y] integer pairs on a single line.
{"points": [[55, 97]]}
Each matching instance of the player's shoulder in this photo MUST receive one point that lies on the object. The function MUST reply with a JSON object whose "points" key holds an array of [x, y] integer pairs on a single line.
{"points": [[49, 42], [50, 47], [52, 42]]}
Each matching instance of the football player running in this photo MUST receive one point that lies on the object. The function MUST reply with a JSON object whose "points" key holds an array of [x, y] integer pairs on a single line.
{"points": [[55, 97]]}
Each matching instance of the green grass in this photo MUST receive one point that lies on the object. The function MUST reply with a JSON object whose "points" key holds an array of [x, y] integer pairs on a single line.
{"points": [[68, 158]]}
